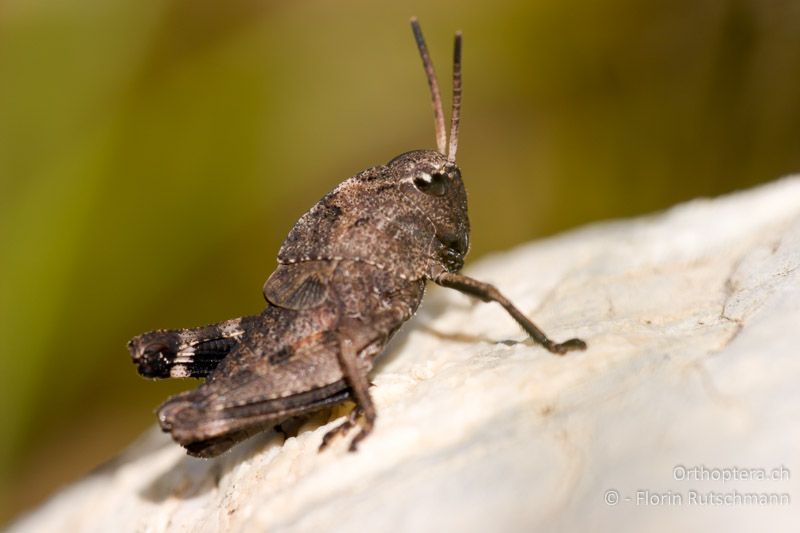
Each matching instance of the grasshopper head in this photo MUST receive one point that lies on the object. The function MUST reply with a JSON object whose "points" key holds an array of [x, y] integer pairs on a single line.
{"points": [[434, 186]]}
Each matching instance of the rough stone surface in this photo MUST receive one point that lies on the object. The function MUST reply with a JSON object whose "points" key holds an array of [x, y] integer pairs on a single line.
{"points": [[691, 318]]}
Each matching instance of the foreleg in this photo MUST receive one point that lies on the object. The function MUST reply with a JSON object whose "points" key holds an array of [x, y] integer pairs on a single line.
{"points": [[488, 293]]}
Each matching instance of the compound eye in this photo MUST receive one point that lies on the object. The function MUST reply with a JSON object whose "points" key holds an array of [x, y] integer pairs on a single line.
{"points": [[433, 184]]}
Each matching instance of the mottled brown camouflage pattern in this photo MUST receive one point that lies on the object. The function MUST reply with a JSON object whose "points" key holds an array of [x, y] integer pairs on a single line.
{"points": [[351, 271]]}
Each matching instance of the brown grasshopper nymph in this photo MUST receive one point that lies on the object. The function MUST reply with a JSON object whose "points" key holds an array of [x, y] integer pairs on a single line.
{"points": [[351, 271]]}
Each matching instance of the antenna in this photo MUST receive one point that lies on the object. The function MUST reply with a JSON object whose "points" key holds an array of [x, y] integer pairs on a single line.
{"points": [[436, 97], [455, 116]]}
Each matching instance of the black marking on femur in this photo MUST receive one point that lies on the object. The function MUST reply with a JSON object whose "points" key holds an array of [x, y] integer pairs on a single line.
{"points": [[156, 360], [153, 366], [213, 349]]}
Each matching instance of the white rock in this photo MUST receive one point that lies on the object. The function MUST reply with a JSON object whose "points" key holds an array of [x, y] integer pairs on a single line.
{"points": [[691, 318]]}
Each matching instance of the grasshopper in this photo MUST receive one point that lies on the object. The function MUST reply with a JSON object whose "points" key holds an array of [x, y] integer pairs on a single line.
{"points": [[351, 271]]}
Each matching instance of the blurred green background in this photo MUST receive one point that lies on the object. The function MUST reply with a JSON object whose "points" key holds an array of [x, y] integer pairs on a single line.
{"points": [[154, 153]]}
